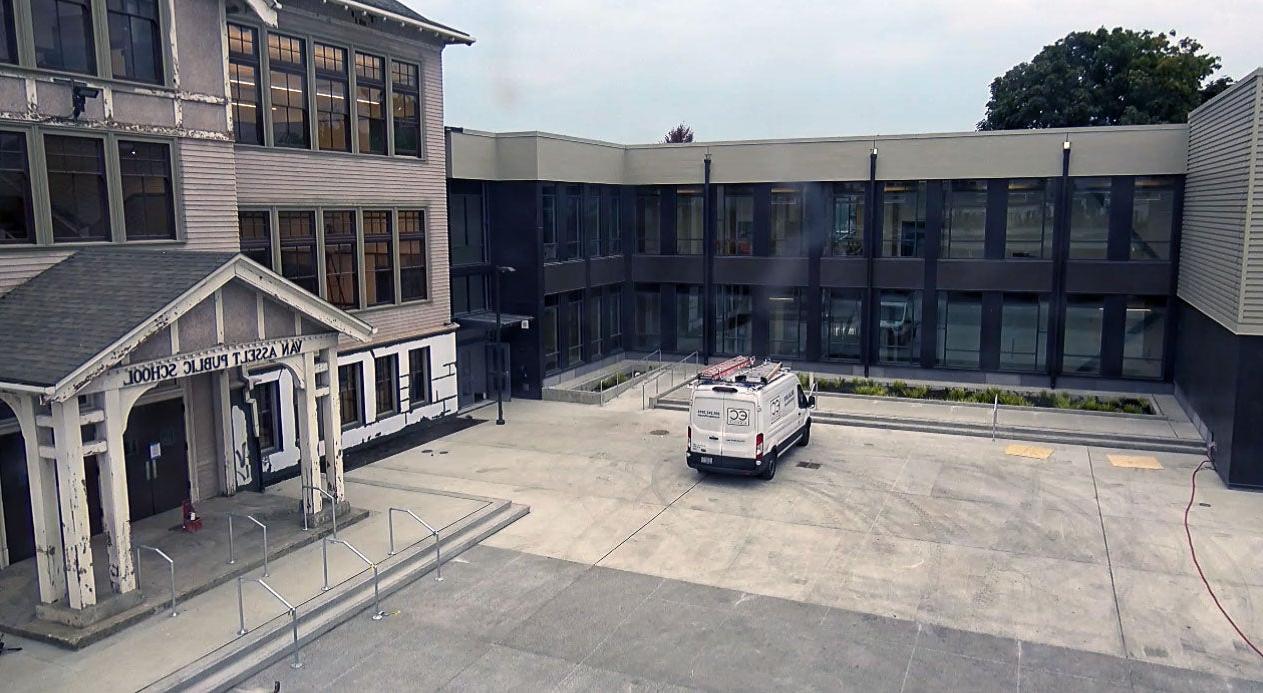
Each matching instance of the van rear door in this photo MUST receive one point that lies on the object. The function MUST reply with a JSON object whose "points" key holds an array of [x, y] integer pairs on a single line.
{"points": [[723, 425], [739, 428]]}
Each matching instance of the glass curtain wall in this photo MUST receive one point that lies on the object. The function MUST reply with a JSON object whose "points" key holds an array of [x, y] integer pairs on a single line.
{"points": [[1029, 219], [846, 237], [787, 322], [899, 327], [1090, 218], [689, 318], [841, 324], [959, 329], [734, 316], [1144, 334], [1024, 333], [787, 222], [1085, 320], [965, 224], [903, 219], [736, 223], [688, 221], [648, 317]]}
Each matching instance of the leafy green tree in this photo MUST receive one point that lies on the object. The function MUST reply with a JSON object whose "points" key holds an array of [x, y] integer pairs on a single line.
{"points": [[1105, 77]]}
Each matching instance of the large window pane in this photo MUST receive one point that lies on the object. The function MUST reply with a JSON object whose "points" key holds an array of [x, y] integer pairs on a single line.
{"points": [[787, 222], [341, 261], [16, 222], [688, 221], [648, 222], [1024, 333], [574, 328], [413, 280], [548, 218], [386, 384], [148, 199], [548, 334], [76, 188], [266, 398], [690, 318], [734, 316], [1029, 220], [787, 323], [903, 219], [592, 222], [1090, 218], [846, 237], [135, 40], [736, 223], [614, 317], [899, 327], [63, 35], [648, 317], [370, 103], [595, 318], [959, 329], [298, 248], [419, 392], [1152, 218], [333, 113], [573, 227], [8, 33], [965, 224], [464, 221], [1085, 316], [287, 82], [612, 220], [379, 260], [255, 229], [1144, 336], [350, 401], [843, 309], [243, 82], [405, 90]]}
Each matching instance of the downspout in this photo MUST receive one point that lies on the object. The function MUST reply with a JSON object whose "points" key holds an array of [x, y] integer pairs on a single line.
{"points": [[869, 331], [1061, 248], [708, 254]]}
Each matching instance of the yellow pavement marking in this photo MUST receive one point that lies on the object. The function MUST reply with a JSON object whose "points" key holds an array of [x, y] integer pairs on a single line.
{"points": [[1134, 461], [1031, 451]]}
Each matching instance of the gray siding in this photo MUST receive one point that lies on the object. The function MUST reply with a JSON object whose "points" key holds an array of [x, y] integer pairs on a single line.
{"points": [[209, 199], [1215, 199], [1252, 289]]}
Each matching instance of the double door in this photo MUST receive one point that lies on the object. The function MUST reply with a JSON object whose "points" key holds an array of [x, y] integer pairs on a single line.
{"points": [[156, 451]]}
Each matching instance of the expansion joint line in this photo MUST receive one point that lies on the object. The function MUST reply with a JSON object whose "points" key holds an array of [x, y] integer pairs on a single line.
{"points": [[1109, 561], [647, 522]]}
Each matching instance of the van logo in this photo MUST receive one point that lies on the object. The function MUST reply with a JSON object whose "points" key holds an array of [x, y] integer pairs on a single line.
{"points": [[738, 417]]}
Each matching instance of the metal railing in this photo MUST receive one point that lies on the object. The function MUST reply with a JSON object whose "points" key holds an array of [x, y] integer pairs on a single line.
{"points": [[232, 555], [324, 551], [995, 416], [438, 554], [170, 564], [293, 613], [668, 370], [333, 507]]}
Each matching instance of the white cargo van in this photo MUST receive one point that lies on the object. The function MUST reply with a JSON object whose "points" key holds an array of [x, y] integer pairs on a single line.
{"points": [[743, 417]]}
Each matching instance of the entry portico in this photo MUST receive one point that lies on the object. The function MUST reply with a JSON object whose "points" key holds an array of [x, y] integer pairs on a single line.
{"points": [[87, 339]]}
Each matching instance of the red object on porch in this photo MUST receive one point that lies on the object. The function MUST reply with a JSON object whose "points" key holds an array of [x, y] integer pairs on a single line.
{"points": [[192, 522], [723, 368]]}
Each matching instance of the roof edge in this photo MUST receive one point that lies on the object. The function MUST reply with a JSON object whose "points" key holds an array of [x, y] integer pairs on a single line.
{"points": [[448, 34]]}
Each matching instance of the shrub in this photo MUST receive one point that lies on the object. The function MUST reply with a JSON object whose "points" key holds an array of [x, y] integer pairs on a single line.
{"points": [[868, 387]]}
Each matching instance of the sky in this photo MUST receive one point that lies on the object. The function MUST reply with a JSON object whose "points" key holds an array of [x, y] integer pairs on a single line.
{"points": [[627, 71]]}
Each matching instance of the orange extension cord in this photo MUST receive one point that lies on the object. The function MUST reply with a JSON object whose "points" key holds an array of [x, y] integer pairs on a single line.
{"points": [[1193, 553]]}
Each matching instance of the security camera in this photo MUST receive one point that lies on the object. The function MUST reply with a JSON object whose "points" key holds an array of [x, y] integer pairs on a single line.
{"points": [[79, 95]]}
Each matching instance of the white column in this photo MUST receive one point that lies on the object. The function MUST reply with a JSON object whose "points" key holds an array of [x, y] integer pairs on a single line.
{"points": [[73, 496], [332, 410], [223, 404], [308, 432], [114, 503], [43, 486]]}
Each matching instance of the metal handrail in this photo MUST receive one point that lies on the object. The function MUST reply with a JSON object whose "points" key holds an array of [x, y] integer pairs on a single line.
{"points": [[324, 552], [333, 505], [170, 564], [293, 614], [644, 387], [232, 557], [438, 554]]}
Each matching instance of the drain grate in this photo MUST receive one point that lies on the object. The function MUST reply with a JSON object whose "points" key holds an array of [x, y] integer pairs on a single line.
{"points": [[660, 432], [809, 465]]}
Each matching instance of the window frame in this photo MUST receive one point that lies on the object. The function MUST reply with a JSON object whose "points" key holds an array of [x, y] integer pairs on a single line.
{"points": [[426, 382], [24, 39], [391, 359]]}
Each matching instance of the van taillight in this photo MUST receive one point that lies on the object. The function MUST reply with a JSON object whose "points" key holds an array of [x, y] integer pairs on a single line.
{"points": [[690, 430], [758, 447]]}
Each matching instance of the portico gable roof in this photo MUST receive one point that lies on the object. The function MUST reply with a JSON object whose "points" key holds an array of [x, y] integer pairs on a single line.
{"points": [[85, 314]]}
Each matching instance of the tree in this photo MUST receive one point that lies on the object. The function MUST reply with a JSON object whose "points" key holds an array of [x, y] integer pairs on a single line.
{"points": [[679, 134], [1103, 77]]}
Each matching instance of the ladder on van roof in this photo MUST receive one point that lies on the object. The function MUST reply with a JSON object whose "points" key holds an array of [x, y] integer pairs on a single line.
{"points": [[741, 370]]}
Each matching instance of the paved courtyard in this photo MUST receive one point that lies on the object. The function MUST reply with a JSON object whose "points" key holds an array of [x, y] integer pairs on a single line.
{"points": [[935, 534]]}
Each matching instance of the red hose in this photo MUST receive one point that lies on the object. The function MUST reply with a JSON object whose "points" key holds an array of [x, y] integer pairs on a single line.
{"points": [[1193, 553]]}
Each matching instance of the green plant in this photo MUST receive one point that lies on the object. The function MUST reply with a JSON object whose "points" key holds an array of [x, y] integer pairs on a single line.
{"points": [[869, 387]]}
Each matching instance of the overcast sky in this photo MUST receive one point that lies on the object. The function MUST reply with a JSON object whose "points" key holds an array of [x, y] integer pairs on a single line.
{"points": [[627, 71]]}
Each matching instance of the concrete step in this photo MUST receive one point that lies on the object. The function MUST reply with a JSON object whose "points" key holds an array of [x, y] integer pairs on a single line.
{"points": [[273, 641], [1038, 435]]}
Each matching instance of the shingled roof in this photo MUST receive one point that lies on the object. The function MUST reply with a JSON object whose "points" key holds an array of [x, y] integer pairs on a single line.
{"points": [[398, 8]]}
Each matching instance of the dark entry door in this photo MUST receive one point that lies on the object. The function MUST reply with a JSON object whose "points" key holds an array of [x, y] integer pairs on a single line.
{"points": [[19, 526], [157, 458], [471, 379]]}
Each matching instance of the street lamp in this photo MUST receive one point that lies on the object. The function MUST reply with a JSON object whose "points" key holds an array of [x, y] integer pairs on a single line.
{"points": [[501, 371]]}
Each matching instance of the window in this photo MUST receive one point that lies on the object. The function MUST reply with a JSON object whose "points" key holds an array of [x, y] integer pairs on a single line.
{"points": [[959, 330], [255, 229], [592, 223], [690, 318], [333, 114], [418, 377], [148, 199], [413, 284], [17, 225], [899, 327], [1028, 229], [1152, 218], [266, 396], [405, 91], [379, 262], [787, 222], [965, 224], [595, 308], [386, 384], [548, 221], [903, 219], [648, 317], [1085, 318], [843, 309], [612, 220], [846, 238], [465, 231], [8, 37], [469, 293], [370, 103], [287, 86], [63, 35], [135, 40], [736, 225], [648, 222], [77, 189], [243, 80], [298, 248], [548, 334], [1090, 218], [1144, 333], [733, 318], [342, 286], [787, 323], [570, 241], [614, 317], [349, 400], [1024, 333], [688, 221]]}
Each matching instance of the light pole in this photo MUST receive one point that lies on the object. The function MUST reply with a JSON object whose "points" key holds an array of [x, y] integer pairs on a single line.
{"points": [[501, 372]]}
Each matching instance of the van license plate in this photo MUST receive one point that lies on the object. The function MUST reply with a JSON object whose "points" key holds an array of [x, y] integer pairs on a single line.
{"points": [[707, 460]]}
